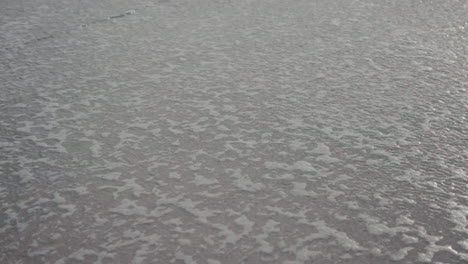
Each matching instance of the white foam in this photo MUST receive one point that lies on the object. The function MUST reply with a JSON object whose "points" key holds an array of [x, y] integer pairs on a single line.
{"points": [[300, 189], [201, 180], [301, 165], [244, 182]]}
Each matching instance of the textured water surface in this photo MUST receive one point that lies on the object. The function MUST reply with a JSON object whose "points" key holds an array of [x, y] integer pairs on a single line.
{"points": [[250, 131]]}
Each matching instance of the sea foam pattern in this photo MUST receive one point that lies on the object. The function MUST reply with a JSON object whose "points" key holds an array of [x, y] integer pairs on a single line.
{"points": [[215, 131]]}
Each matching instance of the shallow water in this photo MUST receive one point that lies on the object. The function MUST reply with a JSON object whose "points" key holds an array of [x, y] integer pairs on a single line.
{"points": [[233, 131]]}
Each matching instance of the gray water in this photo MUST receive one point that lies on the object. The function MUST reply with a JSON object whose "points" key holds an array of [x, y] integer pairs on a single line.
{"points": [[249, 131]]}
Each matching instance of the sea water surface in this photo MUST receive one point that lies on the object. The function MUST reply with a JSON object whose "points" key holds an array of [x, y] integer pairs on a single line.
{"points": [[248, 131]]}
